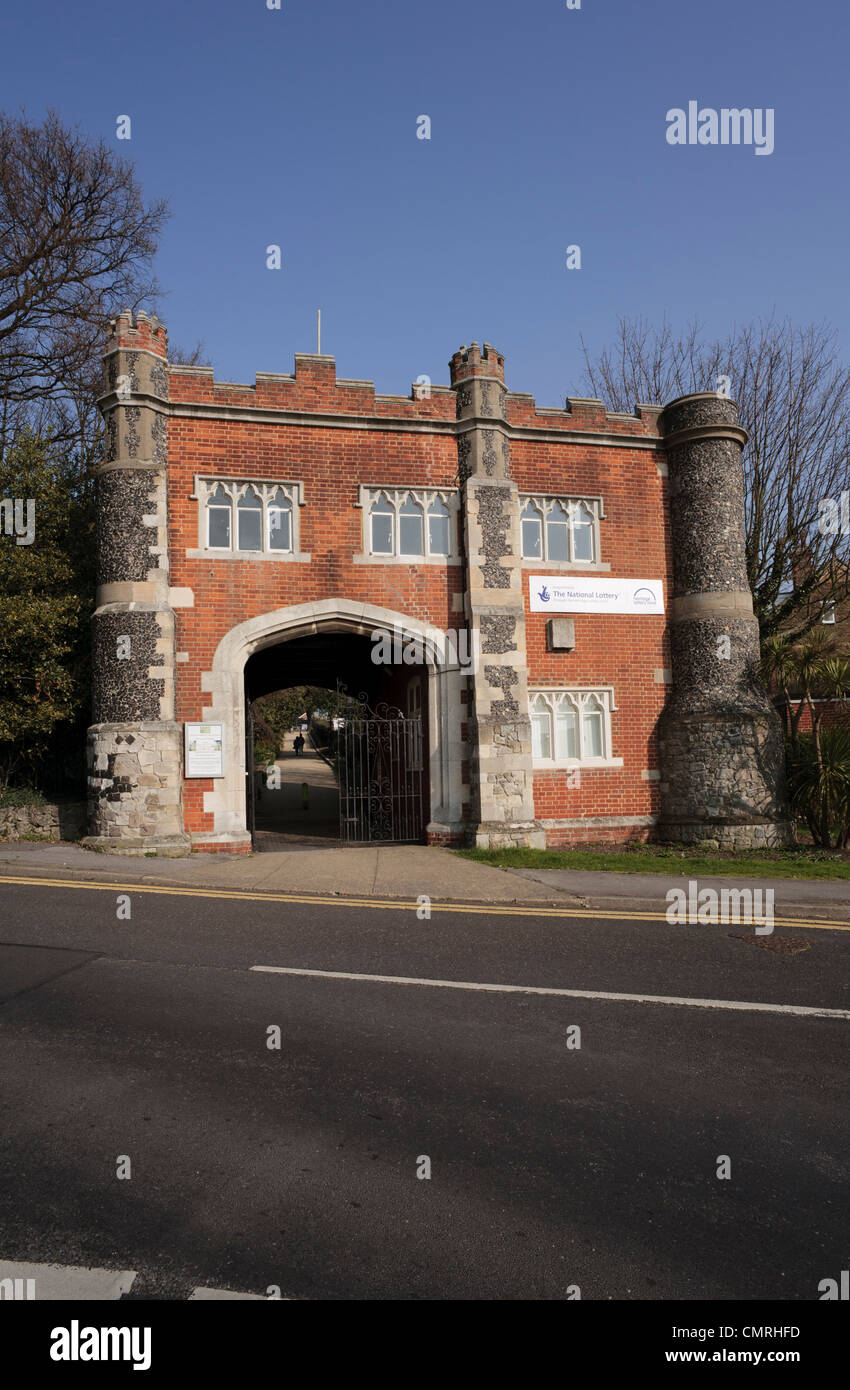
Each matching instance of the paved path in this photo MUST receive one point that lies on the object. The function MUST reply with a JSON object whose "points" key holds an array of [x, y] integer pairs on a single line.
{"points": [[395, 871], [830, 896], [303, 812], [405, 872]]}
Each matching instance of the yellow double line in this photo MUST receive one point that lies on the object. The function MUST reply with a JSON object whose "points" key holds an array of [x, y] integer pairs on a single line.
{"points": [[334, 900]]}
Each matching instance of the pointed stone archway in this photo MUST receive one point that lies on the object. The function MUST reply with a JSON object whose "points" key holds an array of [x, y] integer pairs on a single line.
{"points": [[224, 686]]}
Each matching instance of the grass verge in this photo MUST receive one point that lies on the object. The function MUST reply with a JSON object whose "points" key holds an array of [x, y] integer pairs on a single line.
{"points": [[665, 859]]}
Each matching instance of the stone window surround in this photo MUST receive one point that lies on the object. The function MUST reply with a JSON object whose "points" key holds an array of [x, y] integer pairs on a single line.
{"points": [[206, 483], [605, 695], [545, 501], [396, 494]]}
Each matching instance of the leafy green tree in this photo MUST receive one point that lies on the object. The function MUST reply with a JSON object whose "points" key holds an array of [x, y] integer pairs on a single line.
{"points": [[275, 715], [46, 598]]}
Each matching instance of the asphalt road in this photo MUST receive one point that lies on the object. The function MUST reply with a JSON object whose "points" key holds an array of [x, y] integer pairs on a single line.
{"points": [[551, 1166]]}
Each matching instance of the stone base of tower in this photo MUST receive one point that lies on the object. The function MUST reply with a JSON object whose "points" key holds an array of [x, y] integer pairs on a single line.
{"points": [[169, 847], [134, 787], [722, 779], [508, 835], [727, 834]]}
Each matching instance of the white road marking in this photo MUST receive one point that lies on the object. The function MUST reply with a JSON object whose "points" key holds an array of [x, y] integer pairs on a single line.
{"points": [[213, 1295], [801, 1010], [51, 1282]]}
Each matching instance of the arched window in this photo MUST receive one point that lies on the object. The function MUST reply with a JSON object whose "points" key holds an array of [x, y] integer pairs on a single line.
{"points": [[219, 511], [566, 730], [438, 528], [382, 519], [411, 532], [572, 727], [532, 532], [582, 533], [557, 523], [541, 732], [280, 521], [593, 728], [249, 509]]}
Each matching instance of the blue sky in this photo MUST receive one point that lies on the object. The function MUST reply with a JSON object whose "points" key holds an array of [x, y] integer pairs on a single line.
{"points": [[298, 127]]}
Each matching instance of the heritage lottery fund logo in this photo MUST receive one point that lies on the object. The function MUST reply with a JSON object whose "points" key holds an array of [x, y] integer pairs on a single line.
{"points": [[729, 126]]}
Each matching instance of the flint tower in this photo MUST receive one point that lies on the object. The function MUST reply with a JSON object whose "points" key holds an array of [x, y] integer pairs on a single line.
{"points": [[720, 738], [134, 744]]}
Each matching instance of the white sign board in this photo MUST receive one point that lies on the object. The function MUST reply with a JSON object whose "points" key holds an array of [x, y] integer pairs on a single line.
{"points": [[204, 750], [558, 594]]}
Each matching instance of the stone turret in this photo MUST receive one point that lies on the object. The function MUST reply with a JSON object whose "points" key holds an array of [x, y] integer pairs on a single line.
{"points": [[720, 738], [134, 744], [501, 770]]}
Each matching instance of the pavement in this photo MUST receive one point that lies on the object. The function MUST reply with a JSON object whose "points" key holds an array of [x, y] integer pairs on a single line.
{"points": [[298, 850], [404, 872], [380, 871]]}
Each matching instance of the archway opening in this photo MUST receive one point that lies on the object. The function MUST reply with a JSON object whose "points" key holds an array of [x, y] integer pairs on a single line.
{"points": [[361, 774]]}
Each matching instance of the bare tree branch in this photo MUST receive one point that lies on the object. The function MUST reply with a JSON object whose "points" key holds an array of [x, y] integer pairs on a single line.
{"points": [[76, 244], [793, 397]]}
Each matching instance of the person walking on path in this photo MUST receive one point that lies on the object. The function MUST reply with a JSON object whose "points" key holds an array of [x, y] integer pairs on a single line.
{"points": [[298, 745]]}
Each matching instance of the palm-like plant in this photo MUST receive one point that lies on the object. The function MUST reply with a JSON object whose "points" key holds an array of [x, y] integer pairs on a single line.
{"points": [[819, 764]]}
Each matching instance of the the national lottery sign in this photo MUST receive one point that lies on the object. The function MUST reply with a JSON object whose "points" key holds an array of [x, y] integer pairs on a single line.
{"points": [[555, 594]]}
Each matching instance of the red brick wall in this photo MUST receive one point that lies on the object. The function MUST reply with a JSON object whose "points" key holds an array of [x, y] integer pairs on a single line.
{"points": [[331, 463], [834, 714], [619, 650]]}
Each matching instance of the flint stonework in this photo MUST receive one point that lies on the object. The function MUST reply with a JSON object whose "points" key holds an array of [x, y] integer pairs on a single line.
{"points": [[720, 739]]}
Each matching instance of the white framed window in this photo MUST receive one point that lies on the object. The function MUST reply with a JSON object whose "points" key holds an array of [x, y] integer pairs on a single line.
{"points": [[219, 519], [561, 530], [411, 527], [439, 535], [828, 615], [248, 516], [382, 520], [249, 510], [532, 531], [409, 524], [279, 521], [572, 728]]}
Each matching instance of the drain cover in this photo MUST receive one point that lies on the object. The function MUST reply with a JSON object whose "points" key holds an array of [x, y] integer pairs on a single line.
{"points": [[782, 945]]}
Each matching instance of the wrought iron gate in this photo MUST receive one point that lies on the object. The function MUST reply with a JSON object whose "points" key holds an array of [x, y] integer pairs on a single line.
{"points": [[380, 769]]}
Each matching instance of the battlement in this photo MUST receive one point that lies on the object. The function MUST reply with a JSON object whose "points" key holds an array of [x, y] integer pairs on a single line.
{"points": [[138, 332], [315, 387], [473, 361], [581, 413]]}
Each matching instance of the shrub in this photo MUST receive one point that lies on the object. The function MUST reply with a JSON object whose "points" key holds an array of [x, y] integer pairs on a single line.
{"points": [[819, 785]]}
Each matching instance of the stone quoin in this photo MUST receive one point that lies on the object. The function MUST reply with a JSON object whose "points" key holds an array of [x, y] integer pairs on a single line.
{"points": [[252, 538]]}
